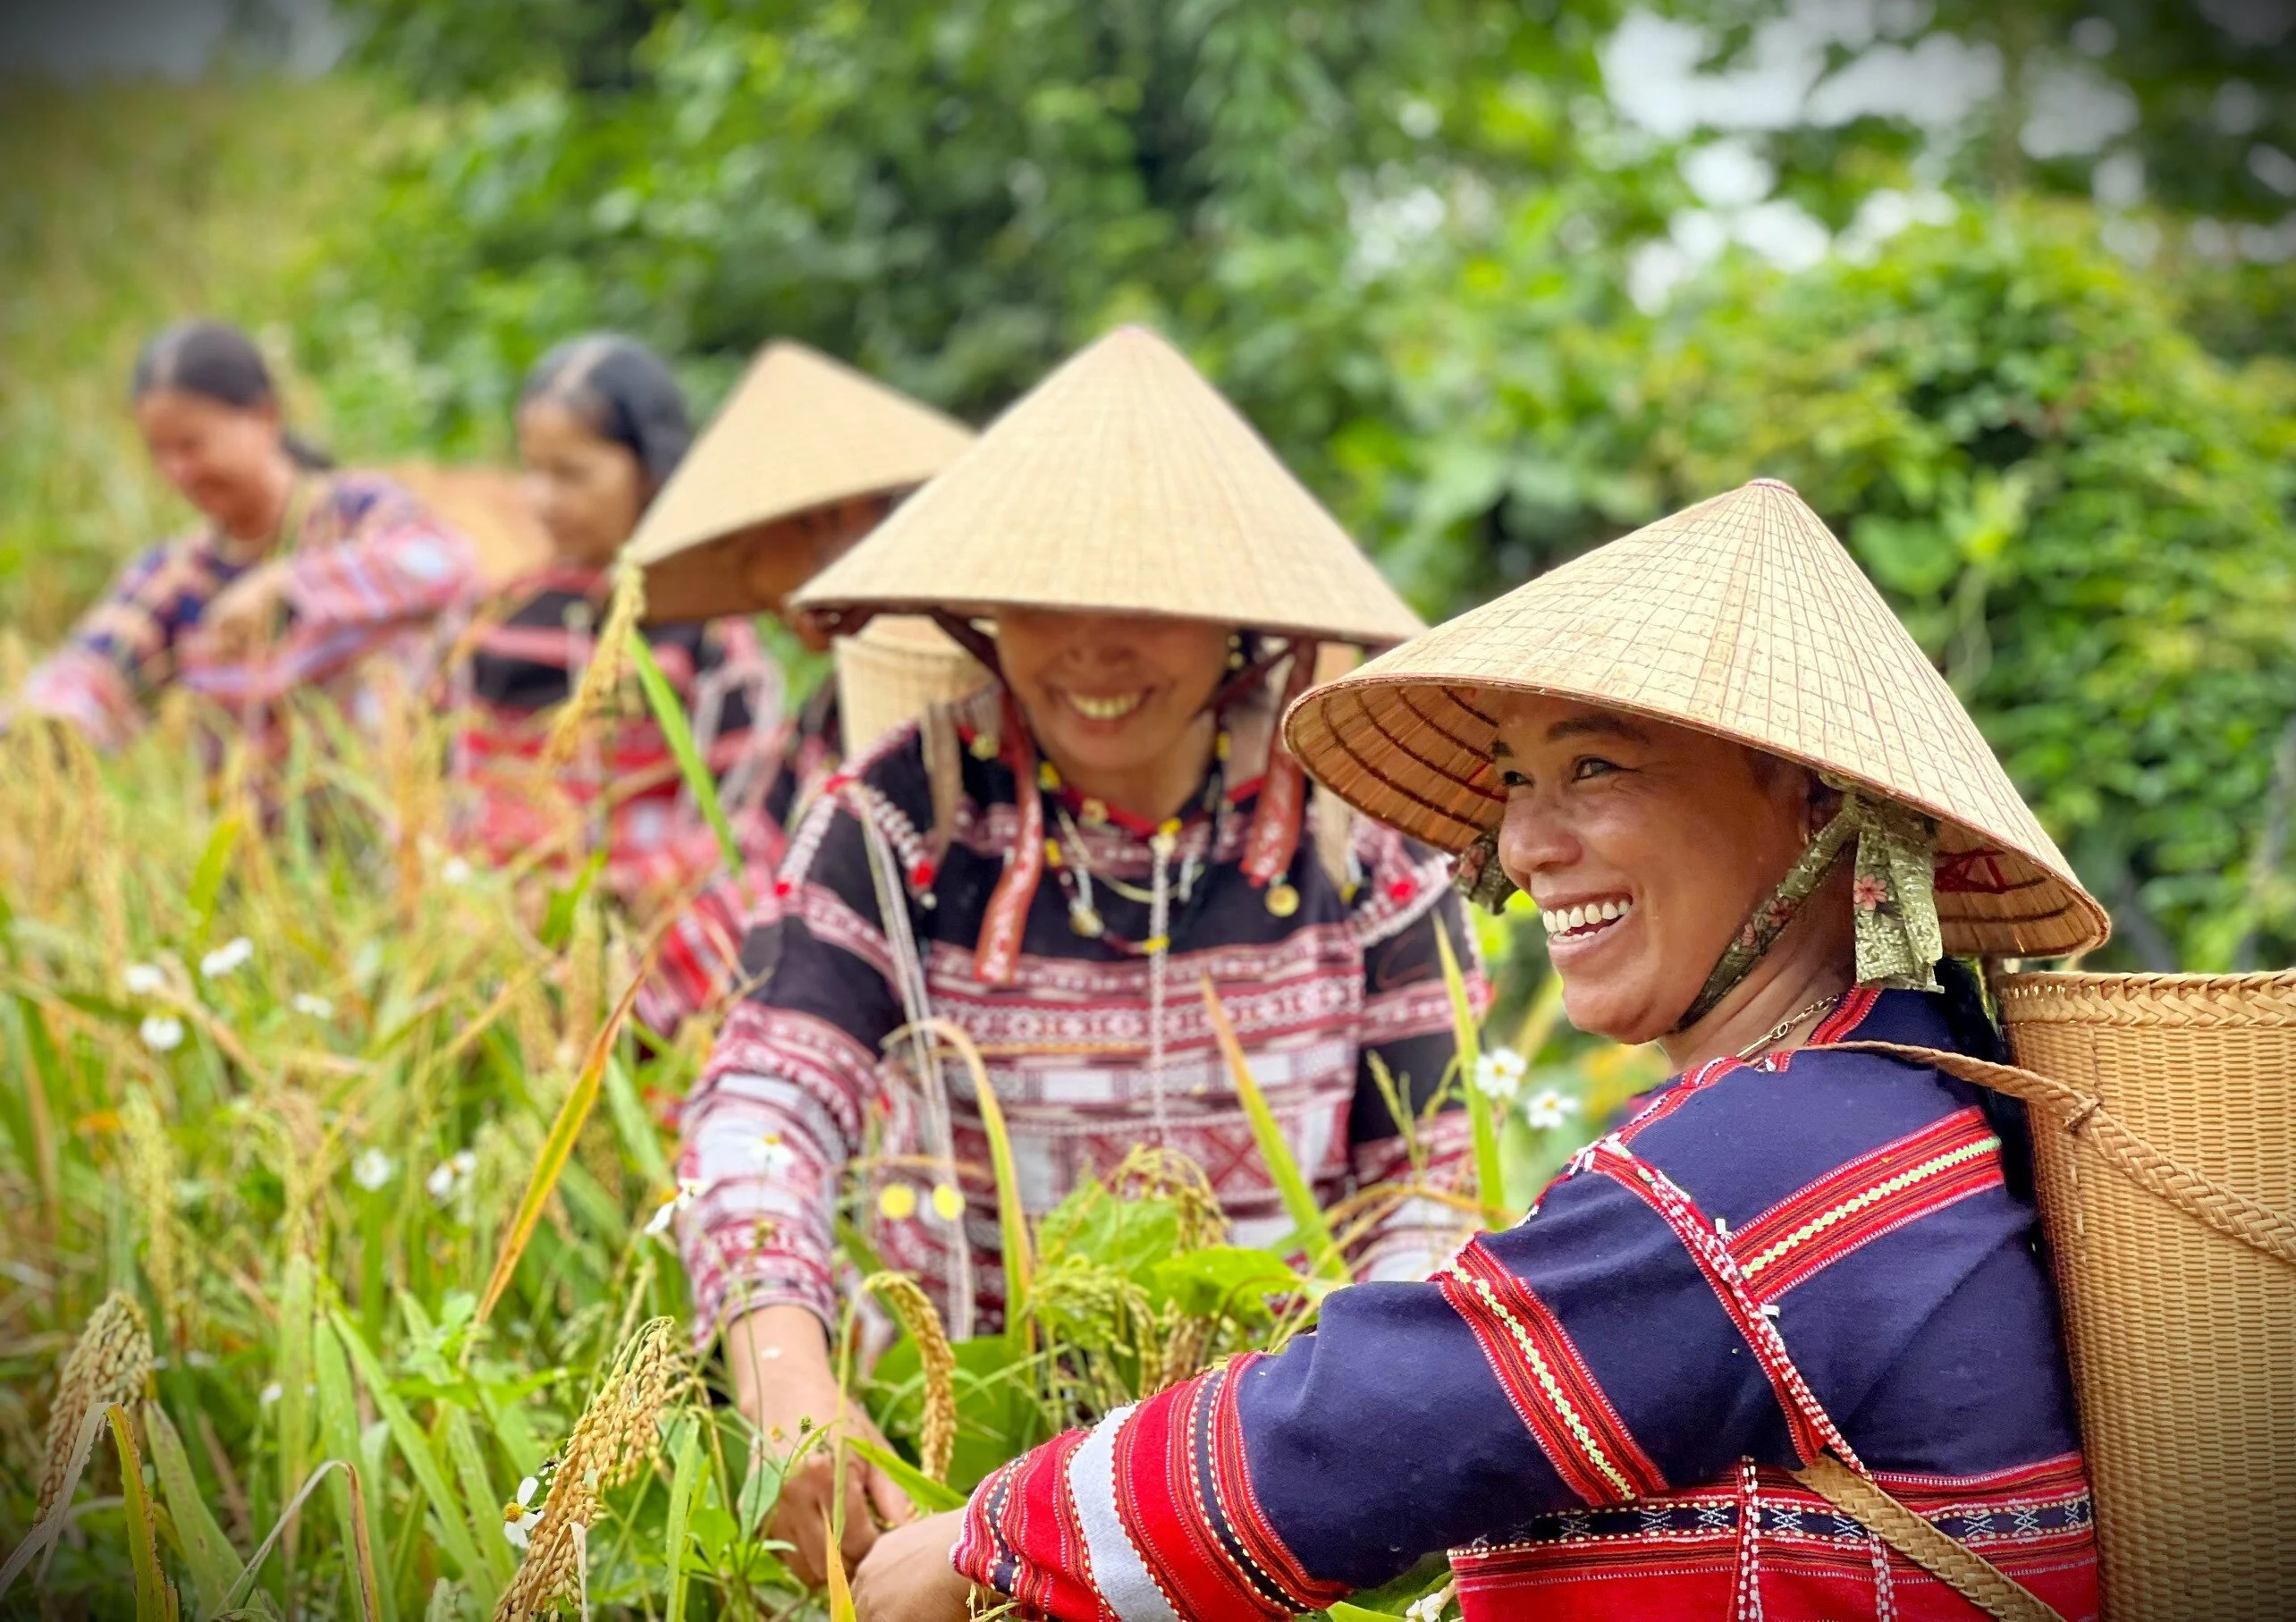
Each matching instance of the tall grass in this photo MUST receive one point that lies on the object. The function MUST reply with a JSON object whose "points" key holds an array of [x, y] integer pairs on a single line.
{"points": [[304, 1198]]}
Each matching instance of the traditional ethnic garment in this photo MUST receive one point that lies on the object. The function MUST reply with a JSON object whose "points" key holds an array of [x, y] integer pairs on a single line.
{"points": [[1093, 1043], [1595, 1411], [626, 793], [699, 961], [368, 568]]}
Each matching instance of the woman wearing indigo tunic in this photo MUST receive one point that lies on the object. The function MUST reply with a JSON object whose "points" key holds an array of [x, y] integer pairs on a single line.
{"points": [[1056, 865], [299, 575], [1755, 821]]}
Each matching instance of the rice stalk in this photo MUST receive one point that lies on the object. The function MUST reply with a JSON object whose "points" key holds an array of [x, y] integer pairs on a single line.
{"points": [[111, 1362], [602, 677], [617, 1433], [149, 1170], [937, 1435]]}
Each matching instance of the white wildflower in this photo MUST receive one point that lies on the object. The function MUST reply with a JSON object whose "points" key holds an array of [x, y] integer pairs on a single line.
{"points": [[450, 1174], [1428, 1607], [1548, 1110], [773, 1155], [518, 1515], [372, 1169], [1498, 1074], [233, 954], [688, 1190], [143, 979], [162, 1032], [270, 1394], [317, 1007], [455, 870]]}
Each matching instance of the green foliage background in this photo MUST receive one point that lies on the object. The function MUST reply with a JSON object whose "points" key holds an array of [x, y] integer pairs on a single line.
{"points": [[1400, 234]]}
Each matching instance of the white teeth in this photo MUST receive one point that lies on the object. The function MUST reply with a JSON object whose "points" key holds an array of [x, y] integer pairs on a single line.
{"points": [[1569, 920], [1106, 709]]}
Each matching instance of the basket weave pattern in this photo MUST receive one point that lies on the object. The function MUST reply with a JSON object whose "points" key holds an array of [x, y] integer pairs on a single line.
{"points": [[2182, 1338]]}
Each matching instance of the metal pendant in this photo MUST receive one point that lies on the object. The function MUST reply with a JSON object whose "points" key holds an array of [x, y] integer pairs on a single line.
{"points": [[1283, 900], [1086, 922]]}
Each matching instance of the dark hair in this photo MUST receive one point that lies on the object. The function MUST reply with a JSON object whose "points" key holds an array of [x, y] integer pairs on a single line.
{"points": [[621, 389], [217, 361]]}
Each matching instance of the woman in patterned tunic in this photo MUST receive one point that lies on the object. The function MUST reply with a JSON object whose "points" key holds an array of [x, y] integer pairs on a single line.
{"points": [[1755, 820], [601, 426], [1056, 865], [300, 575]]}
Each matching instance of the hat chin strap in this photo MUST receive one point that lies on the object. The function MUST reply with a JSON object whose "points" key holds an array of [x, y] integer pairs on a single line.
{"points": [[1895, 900]]}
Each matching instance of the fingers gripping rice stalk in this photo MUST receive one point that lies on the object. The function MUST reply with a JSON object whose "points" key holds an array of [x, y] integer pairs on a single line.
{"points": [[110, 1364], [617, 1434], [937, 1436]]}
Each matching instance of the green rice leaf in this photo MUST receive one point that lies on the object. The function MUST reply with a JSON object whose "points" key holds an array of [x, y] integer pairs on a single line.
{"points": [[1491, 1178], [154, 1600], [207, 1551], [446, 1509], [1323, 1257], [927, 1494], [685, 1478], [670, 715]]}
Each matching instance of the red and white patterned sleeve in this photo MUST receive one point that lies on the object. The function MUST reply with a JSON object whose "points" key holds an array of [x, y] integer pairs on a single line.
{"points": [[792, 1086]]}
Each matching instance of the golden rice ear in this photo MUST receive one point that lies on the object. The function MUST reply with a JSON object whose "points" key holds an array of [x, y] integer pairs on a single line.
{"points": [[1122, 484], [1742, 616], [800, 432]]}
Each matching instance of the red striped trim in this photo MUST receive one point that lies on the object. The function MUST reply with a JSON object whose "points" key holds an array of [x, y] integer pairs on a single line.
{"points": [[1813, 1431], [1553, 1391], [1848, 1016], [1161, 1495], [998, 952], [1675, 1097], [1945, 1162], [1022, 1537], [1234, 1493]]}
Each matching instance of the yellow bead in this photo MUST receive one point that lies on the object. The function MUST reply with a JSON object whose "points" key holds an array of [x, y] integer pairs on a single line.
{"points": [[947, 1202], [897, 1202], [1283, 900], [984, 747], [1093, 812]]}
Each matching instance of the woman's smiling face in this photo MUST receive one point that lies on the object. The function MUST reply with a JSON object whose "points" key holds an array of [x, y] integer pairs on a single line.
{"points": [[1646, 846], [1110, 695]]}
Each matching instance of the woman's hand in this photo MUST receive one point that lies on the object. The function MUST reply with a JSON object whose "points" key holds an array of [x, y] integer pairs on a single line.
{"points": [[240, 622], [908, 1576], [783, 1383]]}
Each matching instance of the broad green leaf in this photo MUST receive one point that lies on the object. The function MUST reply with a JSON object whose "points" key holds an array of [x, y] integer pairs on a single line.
{"points": [[155, 1600], [207, 1551], [927, 1493], [446, 1508], [686, 1475]]}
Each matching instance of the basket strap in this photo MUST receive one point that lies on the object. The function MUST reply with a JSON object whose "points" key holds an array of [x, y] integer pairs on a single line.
{"points": [[1968, 1573], [2084, 1115]]}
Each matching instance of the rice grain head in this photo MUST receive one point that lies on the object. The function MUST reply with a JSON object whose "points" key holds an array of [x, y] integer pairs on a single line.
{"points": [[610, 1443], [149, 1175], [110, 1363], [937, 1435]]}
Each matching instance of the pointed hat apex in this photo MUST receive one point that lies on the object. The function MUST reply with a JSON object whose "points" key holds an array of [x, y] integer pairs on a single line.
{"points": [[1742, 616], [799, 433], [1122, 484]]}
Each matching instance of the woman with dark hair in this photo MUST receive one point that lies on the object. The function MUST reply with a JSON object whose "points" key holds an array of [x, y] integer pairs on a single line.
{"points": [[300, 574], [601, 425]]}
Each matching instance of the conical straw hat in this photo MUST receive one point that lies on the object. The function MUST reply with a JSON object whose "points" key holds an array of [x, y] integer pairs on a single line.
{"points": [[1122, 484], [893, 672], [802, 432], [1742, 616]]}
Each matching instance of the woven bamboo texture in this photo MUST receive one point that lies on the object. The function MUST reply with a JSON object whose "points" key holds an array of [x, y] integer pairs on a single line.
{"points": [[2181, 1323], [893, 670], [800, 433], [1742, 616], [1122, 484]]}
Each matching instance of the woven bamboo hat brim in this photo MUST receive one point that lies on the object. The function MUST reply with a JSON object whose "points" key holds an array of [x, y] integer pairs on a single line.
{"points": [[802, 432], [1122, 484], [896, 669], [1742, 616]]}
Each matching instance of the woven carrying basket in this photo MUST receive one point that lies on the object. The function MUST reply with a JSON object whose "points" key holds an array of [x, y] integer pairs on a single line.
{"points": [[2164, 1144]]}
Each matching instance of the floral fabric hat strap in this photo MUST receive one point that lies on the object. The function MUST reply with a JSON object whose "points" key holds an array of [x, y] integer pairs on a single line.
{"points": [[1895, 911], [997, 954]]}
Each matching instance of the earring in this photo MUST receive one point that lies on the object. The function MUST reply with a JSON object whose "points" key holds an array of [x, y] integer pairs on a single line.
{"points": [[1235, 650], [1476, 873]]}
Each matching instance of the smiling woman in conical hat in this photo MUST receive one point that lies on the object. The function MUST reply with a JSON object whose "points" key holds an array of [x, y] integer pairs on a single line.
{"points": [[1799, 1278], [1056, 863]]}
